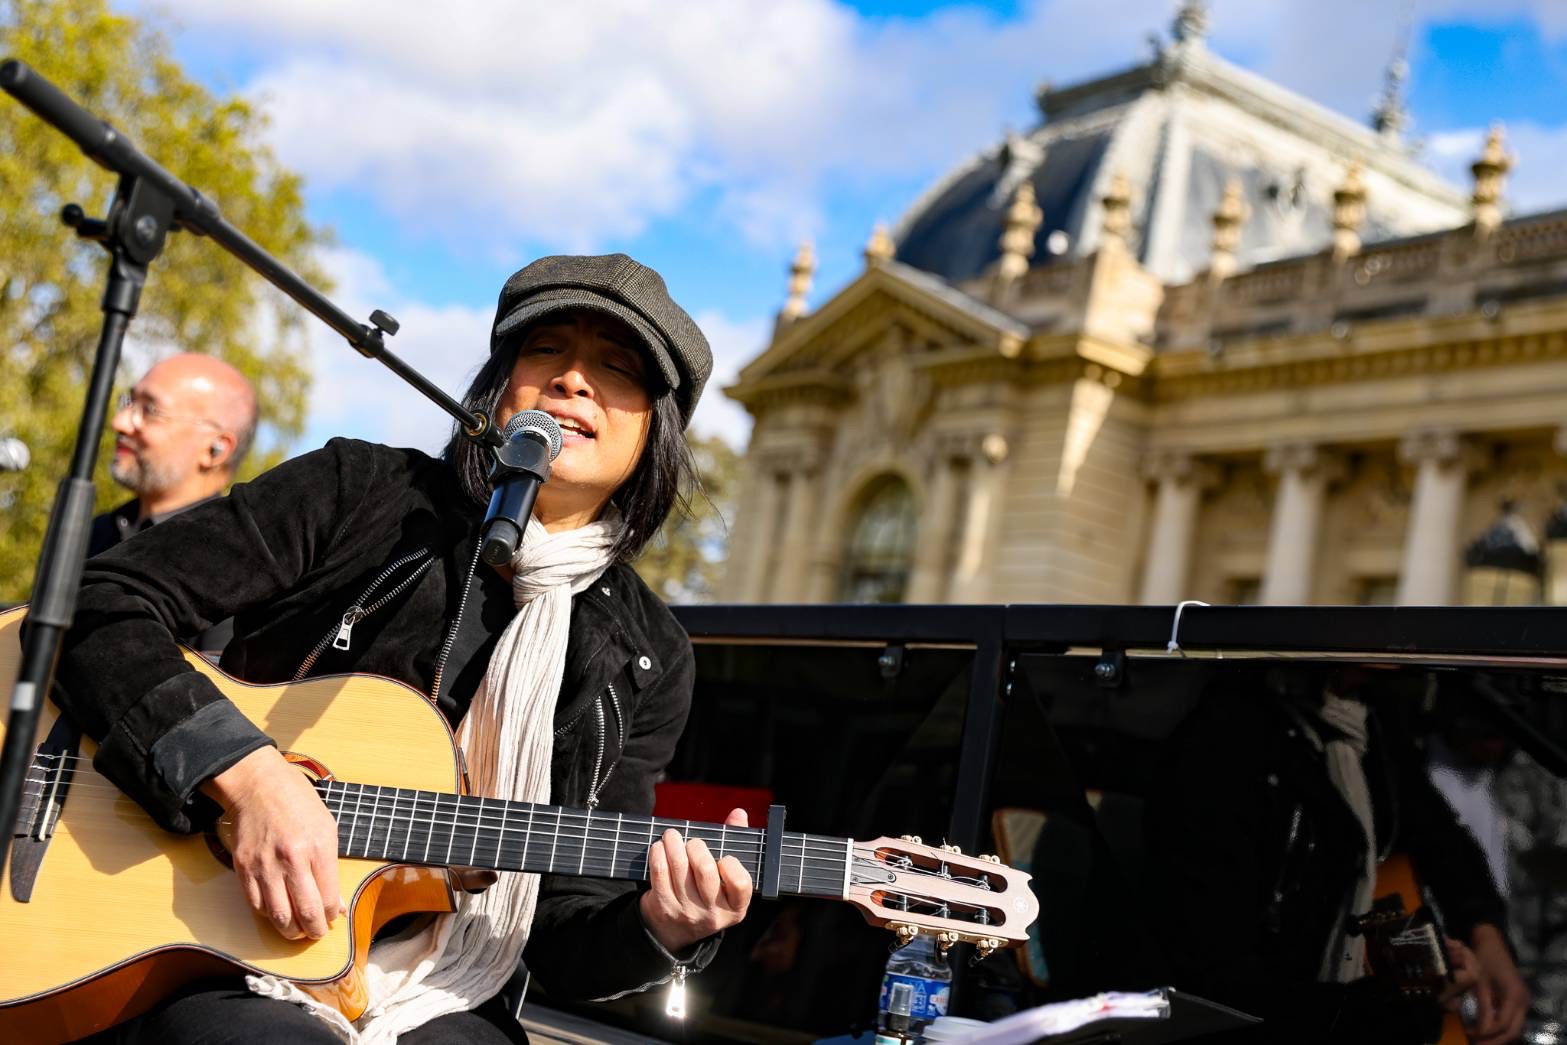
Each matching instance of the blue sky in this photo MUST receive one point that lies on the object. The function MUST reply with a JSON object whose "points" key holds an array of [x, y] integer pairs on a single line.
{"points": [[709, 138]]}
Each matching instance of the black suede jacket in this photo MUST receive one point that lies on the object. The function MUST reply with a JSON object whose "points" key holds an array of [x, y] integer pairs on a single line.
{"points": [[287, 555]]}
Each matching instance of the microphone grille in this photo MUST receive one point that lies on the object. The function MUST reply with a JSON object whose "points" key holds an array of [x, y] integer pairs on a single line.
{"points": [[537, 421]]}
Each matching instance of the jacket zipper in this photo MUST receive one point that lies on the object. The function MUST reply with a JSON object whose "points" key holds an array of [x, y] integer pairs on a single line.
{"points": [[598, 760], [601, 775], [341, 636], [620, 732], [451, 633]]}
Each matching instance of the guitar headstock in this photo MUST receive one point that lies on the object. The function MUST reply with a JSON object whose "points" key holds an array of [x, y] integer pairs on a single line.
{"points": [[913, 888]]}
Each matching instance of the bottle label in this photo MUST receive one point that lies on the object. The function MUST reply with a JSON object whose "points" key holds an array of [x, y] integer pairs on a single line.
{"points": [[927, 998]]}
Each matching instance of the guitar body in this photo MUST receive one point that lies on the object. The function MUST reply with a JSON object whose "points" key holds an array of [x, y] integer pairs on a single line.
{"points": [[80, 957], [1396, 877]]}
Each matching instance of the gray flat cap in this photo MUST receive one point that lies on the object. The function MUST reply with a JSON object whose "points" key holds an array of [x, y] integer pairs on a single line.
{"points": [[618, 286]]}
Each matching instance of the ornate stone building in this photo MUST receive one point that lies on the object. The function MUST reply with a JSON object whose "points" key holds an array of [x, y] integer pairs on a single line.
{"points": [[1193, 337]]}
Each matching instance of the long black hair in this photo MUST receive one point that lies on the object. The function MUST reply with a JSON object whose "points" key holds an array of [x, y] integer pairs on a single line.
{"points": [[659, 484]]}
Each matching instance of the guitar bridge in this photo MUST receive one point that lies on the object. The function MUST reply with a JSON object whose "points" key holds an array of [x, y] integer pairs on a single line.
{"points": [[43, 800]]}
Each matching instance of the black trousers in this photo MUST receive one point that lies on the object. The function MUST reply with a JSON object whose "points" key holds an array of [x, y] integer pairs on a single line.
{"points": [[230, 1015]]}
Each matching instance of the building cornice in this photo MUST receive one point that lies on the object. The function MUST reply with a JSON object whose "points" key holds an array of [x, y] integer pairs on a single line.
{"points": [[1398, 348]]}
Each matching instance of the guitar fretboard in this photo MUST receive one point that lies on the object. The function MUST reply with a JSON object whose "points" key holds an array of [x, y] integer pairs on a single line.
{"points": [[435, 828]]}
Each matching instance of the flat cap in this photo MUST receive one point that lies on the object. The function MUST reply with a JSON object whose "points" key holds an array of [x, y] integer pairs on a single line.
{"points": [[615, 285]]}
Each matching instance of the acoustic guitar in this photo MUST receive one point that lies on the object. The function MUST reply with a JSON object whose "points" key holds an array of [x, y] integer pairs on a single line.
{"points": [[103, 913]]}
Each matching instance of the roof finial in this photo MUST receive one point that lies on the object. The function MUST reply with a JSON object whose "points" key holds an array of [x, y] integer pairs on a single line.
{"points": [[1227, 221], [800, 273], [879, 249], [1390, 117], [1490, 171], [1017, 240], [1191, 22], [1349, 213]]}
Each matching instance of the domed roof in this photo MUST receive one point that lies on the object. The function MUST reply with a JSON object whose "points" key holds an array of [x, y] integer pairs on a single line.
{"points": [[1180, 129]]}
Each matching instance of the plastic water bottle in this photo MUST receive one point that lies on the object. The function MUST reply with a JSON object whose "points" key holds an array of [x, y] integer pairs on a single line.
{"points": [[919, 976]]}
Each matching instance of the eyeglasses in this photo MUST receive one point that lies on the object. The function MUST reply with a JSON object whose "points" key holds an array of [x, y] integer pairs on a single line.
{"points": [[143, 413]]}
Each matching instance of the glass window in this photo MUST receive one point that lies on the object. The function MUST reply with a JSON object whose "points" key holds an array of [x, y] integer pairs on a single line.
{"points": [[881, 544]]}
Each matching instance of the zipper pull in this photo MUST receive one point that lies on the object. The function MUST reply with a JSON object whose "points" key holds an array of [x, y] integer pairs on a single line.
{"points": [[675, 1007], [345, 631]]}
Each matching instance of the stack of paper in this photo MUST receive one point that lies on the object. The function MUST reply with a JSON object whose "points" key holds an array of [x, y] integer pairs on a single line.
{"points": [[1067, 1016]]}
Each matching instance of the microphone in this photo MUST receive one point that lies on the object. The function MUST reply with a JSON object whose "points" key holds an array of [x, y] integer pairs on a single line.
{"points": [[13, 455], [521, 465]]}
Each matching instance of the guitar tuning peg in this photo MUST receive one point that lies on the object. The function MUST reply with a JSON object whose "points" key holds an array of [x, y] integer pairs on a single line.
{"points": [[991, 858], [906, 933], [986, 947], [911, 838], [944, 941], [952, 849]]}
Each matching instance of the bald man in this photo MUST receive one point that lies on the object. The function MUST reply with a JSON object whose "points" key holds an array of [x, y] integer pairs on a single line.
{"points": [[181, 431]]}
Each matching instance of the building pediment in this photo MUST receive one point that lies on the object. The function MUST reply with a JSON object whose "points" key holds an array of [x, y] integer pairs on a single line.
{"points": [[889, 303]]}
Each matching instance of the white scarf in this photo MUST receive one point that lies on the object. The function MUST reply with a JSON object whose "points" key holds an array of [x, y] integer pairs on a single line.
{"points": [[464, 958], [1344, 747]]}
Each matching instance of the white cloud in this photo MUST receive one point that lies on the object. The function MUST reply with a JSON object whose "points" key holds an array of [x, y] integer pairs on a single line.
{"points": [[568, 129], [735, 343]]}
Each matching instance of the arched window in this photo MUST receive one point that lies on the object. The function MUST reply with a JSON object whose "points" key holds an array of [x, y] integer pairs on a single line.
{"points": [[881, 544]]}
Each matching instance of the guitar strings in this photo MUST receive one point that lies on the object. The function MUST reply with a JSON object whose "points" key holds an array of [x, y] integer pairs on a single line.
{"points": [[591, 859], [525, 819]]}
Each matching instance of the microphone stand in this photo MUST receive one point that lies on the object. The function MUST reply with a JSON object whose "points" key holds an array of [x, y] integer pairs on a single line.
{"points": [[148, 204]]}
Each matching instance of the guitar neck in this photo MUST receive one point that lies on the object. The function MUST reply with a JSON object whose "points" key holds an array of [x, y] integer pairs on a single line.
{"points": [[433, 828]]}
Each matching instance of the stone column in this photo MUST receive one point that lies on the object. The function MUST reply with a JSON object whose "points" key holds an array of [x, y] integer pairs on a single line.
{"points": [[928, 580], [801, 515], [1167, 569], [1432, 542], [764, 532], [971, 574], [1304, 474]]}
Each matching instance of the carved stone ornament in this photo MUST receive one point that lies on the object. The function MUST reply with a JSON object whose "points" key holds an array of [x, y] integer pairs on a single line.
{"points": [[800, 273], [1445, 447], [1182, 467], [893, 397], [1023, 219], [1306, 459], [879, 249], [1227, 221], [1349, 213], [1117, 204], [1490, 172], [994, 447]]}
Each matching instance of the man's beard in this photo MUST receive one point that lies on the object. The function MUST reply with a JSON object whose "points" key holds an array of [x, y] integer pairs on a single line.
{"points": [[141, 476]]}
